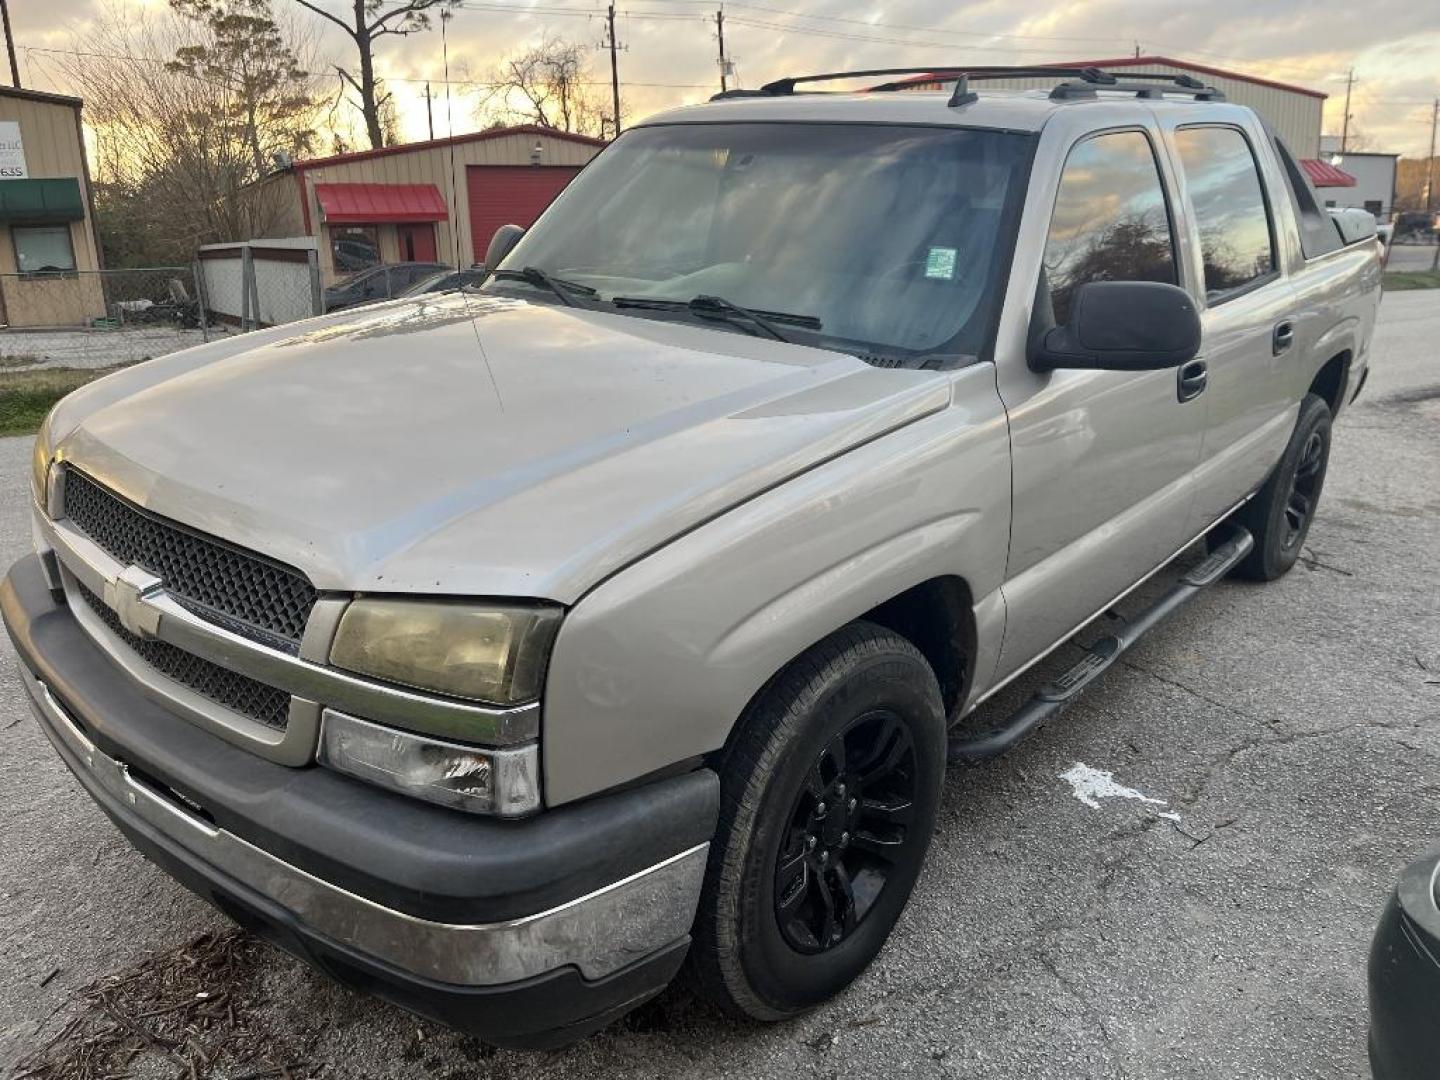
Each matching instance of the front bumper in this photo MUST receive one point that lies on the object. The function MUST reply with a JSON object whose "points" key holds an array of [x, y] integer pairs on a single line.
{"points": [[524, 933]]}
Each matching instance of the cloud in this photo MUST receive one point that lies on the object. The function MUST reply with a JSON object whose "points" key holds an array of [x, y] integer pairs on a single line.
{"points": [[1393, 45]]}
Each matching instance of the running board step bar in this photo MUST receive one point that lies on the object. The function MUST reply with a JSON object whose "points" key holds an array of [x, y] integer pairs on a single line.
{"points": [[1055, 697]]}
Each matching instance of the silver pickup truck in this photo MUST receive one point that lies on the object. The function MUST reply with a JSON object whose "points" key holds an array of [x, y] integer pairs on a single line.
{"points": [[500, 651]]}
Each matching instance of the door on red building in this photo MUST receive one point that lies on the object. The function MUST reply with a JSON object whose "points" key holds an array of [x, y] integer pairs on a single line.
{"points": [[417, 242], [510, 195]]}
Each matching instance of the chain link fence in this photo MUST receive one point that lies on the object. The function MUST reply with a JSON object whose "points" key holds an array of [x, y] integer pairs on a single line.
{"points": [[100, 318]]}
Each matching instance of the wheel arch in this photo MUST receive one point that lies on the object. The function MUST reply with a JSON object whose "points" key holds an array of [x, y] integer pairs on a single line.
{"points": [[1332, 379]]}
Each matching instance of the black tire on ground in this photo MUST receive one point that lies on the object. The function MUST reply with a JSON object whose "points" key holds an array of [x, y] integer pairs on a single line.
{"points": [[1280, 514], [846, 746]]}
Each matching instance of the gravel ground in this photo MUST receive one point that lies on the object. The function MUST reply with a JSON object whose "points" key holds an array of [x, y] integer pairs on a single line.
{"points": [[1294, 728], [97, 348], [1410, 257]]}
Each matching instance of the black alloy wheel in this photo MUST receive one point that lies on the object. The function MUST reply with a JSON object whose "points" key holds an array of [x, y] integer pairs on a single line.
{"points": [[1304, 490], [846, 832], [829, 789]]}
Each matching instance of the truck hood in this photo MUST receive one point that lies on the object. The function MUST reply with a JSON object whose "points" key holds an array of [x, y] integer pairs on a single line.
{"points": [[475, 446]]}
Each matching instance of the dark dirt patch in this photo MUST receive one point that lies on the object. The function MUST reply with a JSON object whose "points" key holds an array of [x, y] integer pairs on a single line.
{"points": [[193, 1012], [1413, 397]]}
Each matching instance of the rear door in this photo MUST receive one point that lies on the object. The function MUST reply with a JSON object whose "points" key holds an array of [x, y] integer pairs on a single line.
{"points": [[1102, 460], [1247, 310]]}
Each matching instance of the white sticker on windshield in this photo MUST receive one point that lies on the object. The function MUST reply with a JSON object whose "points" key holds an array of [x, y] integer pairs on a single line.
{"points": [[941, 263]]}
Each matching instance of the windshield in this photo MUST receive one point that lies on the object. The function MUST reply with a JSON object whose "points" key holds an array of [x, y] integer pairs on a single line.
{"points": [[893, 238]]}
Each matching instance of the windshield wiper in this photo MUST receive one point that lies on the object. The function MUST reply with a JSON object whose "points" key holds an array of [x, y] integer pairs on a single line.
{"points": [[717, 307], [533, 275]]}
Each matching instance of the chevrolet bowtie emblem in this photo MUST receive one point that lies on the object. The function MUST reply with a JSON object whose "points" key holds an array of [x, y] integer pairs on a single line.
{"points": [[126, 597]]}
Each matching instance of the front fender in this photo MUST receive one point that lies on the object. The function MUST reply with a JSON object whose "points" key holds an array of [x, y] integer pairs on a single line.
{"points": [[654, 665]]}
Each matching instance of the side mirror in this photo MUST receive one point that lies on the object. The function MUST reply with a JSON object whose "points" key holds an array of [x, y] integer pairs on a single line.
{"points": [[1122, 326], [505, 238]]}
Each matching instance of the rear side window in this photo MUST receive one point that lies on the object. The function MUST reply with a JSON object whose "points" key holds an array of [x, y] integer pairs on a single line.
{"points": [[1111, 221], [1229, 207]]}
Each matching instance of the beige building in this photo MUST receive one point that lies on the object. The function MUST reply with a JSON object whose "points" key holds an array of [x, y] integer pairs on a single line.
{"points": [[436, 201], [1293, 111], [48, 247]]}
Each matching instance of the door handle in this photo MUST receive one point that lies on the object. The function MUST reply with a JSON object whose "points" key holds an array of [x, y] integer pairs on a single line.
{"points": [[1191, 380], [1283, 338]]}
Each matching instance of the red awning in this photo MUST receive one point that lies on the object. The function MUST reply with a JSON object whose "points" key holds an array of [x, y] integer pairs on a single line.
{"points": [[1323, 174], [365, 203]]}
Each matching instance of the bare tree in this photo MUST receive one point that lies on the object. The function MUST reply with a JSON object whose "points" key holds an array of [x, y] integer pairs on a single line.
{"points": [[370, 21], [244, 50], [179, 144], [547, 85]]}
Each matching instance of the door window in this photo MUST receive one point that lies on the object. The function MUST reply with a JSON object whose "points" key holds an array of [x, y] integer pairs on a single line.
{"points": [[1111, 221], [1229, 207]]}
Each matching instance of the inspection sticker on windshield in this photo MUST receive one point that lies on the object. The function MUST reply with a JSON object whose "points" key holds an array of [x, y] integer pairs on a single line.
{"points": [[940, 263]]}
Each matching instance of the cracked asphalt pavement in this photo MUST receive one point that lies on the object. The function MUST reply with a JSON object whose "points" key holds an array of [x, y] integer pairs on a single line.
{"points": [[1291, 732]]}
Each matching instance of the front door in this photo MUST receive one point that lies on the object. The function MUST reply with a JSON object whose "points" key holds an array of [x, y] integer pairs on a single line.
{"points": [[1101, 460], [417, 242]]}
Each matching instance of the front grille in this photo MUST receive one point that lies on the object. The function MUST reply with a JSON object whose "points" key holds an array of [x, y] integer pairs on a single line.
{"points": [[236, 692], [246, 593]]}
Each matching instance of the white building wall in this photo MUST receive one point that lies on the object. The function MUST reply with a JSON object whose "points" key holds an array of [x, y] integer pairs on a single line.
{"points": [[1374, 180]]}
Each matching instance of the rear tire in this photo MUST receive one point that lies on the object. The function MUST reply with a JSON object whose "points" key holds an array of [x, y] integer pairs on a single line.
{"points": [[829, 790], [1280, 514]]}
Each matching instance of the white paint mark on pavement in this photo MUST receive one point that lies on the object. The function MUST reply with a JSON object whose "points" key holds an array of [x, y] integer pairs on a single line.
{"points": [[1091, 785]]}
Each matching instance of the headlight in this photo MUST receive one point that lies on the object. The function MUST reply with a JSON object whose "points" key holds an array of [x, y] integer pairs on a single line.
{"points": [[505, 783], [494, 653]]}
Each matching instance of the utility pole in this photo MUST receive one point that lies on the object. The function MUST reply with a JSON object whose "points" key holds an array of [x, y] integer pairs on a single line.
{"points": [[614, 65], [10, 45], [1430, 161], [720, 30], [1345, 123], [429, 113]]}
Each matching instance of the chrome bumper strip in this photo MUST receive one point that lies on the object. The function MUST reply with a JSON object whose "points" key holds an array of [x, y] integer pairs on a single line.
{"points": [[148, 610], [598, 933]]}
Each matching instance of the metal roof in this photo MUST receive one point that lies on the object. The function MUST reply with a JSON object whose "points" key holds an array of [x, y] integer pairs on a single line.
{"points": [[356, 204]]}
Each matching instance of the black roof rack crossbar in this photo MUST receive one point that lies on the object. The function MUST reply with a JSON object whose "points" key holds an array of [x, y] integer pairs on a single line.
{"points": [[1070, 91], [787, 85], [1088, 79]]}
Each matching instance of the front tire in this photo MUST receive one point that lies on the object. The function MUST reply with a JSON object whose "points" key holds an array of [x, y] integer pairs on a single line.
{"points": [[829, 791], [1280, 514]]}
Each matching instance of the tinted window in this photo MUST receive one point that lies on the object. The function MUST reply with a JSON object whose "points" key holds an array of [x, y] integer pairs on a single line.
{"points": [[1110, 221], [1229, 207], [893, 238]]}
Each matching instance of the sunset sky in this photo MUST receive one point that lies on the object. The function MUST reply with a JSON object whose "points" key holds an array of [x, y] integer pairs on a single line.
{"points": [[670, 49]]}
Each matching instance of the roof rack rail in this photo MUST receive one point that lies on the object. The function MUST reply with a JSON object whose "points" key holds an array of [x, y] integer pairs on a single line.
{"points": [[1088, 79]]}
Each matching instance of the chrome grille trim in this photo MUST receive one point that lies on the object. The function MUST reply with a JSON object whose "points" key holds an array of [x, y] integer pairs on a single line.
{"points": [[176, 624], [239, 693], [246, 592]]}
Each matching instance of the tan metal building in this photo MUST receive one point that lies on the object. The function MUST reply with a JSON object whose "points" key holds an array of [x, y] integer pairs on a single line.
{"points": [[1293, 111], [435, 201], [48, 247]]}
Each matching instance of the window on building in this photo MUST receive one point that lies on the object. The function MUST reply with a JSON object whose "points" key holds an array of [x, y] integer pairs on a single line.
{"points": [[43, 249], [1229, 207], [1374, 206], [1111, 221], [354, 247]]}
